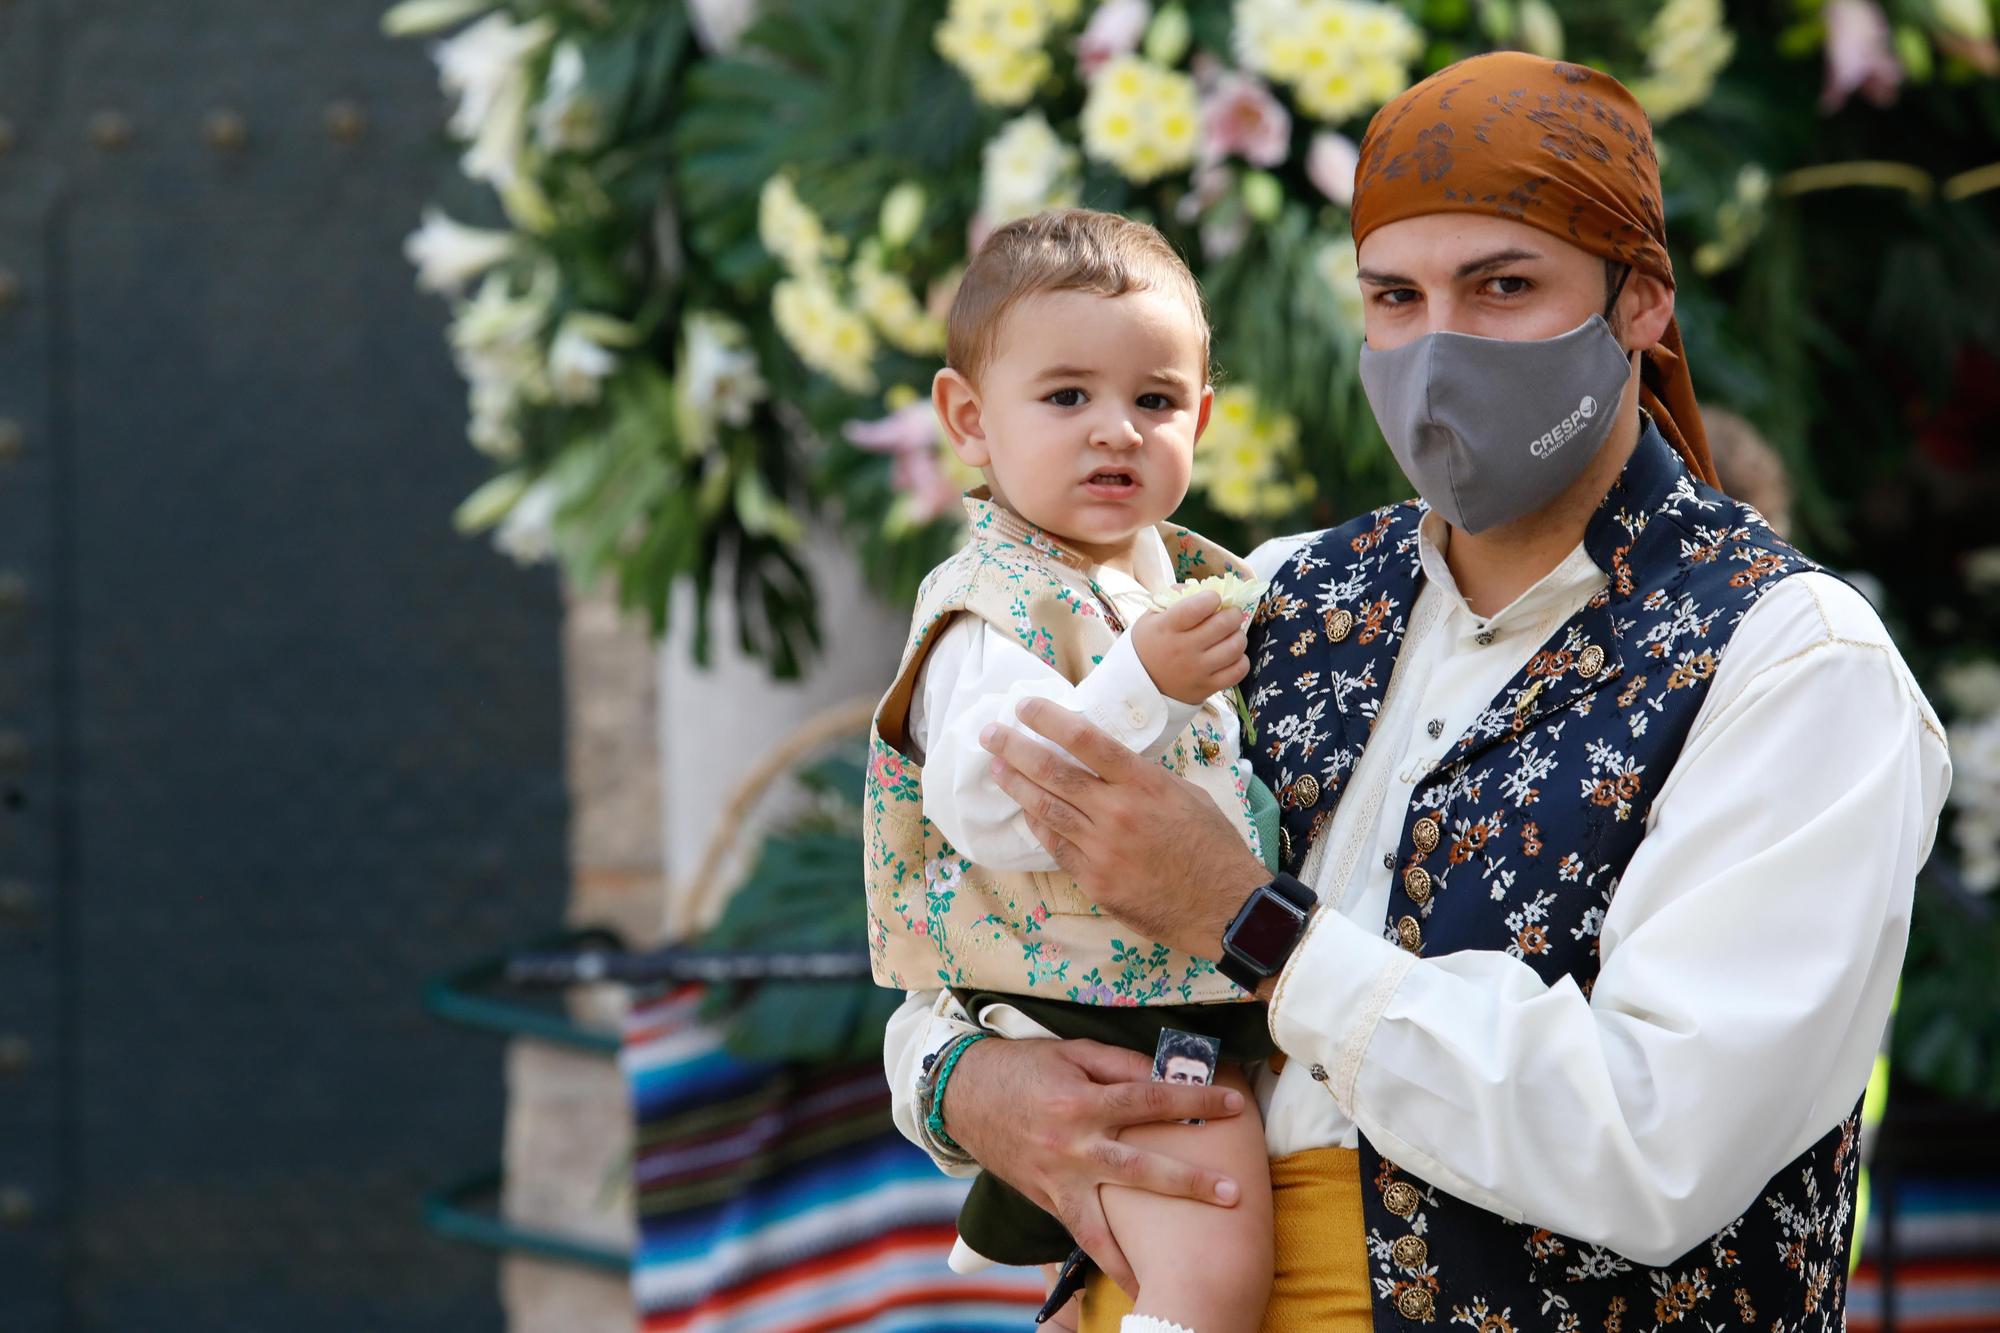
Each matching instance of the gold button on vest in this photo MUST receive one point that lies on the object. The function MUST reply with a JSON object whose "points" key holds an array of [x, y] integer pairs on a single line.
{"points": [[1414, 1303], [1417, 883], [1425, 833]]}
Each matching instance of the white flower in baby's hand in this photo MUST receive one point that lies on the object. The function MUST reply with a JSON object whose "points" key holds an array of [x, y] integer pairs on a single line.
{"points": [[1240, 593]]}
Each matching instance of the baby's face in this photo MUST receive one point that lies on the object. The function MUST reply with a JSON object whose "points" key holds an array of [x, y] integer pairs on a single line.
{"points": [[1089, 410]]}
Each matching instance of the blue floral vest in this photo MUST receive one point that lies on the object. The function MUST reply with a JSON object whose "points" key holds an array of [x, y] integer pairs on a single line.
{"points": [[1516, 842]]}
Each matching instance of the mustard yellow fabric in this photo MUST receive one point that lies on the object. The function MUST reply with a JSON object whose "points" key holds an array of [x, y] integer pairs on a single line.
{"points": [[1321, 1282]]}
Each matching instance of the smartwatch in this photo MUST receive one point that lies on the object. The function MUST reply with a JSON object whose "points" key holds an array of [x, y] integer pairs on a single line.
{"points": [[1265, 931]]}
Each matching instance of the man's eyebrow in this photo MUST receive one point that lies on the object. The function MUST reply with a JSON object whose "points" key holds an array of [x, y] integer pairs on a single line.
{"points": [[1495, 260], [1498, 259]]}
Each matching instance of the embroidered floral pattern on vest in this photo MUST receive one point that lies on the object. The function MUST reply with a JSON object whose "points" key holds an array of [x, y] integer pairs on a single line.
{"points": [[936, 918], [1515, 841]]}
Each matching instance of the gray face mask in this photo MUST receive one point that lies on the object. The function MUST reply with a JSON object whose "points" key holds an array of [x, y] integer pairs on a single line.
{"points": [[1489, 431]]}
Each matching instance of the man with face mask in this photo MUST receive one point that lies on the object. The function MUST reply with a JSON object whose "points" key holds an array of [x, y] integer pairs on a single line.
{"points": [[1602, 809]]}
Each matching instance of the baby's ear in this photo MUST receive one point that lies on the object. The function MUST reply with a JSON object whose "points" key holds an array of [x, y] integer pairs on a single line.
{"points": [[1207, 406], [957, 405]]}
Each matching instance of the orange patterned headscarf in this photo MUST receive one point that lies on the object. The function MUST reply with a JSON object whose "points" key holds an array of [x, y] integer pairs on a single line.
{"points": [[1557, 146]]}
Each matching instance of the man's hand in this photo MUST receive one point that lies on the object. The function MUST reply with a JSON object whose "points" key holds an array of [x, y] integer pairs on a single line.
{"points": [[1193, 648], [1044, 1115], [1148, 847]]}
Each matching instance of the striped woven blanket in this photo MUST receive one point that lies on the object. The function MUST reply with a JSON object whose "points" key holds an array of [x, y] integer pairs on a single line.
{"points": [[779, 1199]]}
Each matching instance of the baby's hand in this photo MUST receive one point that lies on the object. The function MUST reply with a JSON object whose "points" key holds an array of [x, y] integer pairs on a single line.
{"points": [[1193, 648]]}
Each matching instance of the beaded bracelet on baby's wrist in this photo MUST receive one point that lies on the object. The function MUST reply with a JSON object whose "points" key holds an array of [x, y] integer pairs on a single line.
{"points": [[946, 1063]]}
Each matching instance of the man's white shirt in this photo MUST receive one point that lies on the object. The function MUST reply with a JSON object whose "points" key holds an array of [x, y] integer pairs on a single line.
{"points": [[1749, 956]]}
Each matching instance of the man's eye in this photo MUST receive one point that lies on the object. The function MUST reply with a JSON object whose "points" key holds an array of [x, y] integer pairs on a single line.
{"points": [[1066, 398], [1155, 402], [1393, 295], [1509, 286]]}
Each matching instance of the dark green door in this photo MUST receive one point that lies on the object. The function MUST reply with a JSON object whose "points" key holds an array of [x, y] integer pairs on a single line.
{"points": [[275, 745]]}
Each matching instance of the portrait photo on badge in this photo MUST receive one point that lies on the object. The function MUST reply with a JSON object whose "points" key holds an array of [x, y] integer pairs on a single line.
{"points": [[1185, 1057]]}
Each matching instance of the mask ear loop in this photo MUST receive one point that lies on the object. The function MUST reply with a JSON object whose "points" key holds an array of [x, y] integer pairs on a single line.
{"points": [[1616, 292], [1612, 304]]}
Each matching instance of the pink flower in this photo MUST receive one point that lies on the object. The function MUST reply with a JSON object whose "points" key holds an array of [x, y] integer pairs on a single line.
{"points": [[1330, 163], [1114, 30], [1240, 116], [1223, 232], [1859, 56], [910, 436], [1041, 912]]}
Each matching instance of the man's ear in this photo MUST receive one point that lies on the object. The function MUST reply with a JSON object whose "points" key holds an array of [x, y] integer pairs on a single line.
{"points": [[1207, 406], [1644, 309], [957, 406]]}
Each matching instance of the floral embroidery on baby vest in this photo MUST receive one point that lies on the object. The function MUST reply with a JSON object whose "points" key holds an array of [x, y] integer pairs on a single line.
{"points": [[934, 917], [1515, 840]]}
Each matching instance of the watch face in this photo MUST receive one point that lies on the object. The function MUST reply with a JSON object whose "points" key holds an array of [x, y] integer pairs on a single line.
{"points": [[1266, 931]]}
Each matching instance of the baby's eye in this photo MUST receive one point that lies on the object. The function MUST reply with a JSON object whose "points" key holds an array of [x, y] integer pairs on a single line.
{"points": [[1066, 398], [1155, 402]]}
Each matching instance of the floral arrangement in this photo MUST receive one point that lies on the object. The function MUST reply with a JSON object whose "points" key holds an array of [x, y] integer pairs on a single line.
{"points": [[716, 241], [720, 238]]}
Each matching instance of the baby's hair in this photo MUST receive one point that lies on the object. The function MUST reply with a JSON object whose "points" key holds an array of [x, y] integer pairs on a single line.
{"points": [[1063, 250]]}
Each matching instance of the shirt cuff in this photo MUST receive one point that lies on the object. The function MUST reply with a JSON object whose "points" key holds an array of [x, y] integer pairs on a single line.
{"points": [[1330, 997], [1119, 697], [946, 1024]]}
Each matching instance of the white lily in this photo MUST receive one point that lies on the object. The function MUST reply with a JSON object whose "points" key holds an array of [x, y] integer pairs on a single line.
{"points": [[719, 24], [448, 254], [527, 534], [415, 17], [568, 119], [719, 379], [485, 68], [578, 362], [496, 317]]}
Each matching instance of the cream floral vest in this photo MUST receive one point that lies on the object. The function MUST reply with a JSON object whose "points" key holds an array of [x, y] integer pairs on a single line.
{"points": [[935, 918]]}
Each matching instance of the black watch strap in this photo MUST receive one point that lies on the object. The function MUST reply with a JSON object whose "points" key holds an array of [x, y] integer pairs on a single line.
{"points": [[1266, 929]]}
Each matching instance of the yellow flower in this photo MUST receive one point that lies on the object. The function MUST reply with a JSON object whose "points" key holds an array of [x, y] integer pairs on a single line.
{"points": [[1340, 57], [1141, 118], [1025, 169], [1687, 47], [999, 45], [826, 335], [1248, 462], [790, 230], [894, 309]]}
